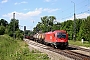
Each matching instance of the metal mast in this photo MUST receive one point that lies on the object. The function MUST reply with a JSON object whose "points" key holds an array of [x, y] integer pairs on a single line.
{"points": [[74, 34], [14, 26]]}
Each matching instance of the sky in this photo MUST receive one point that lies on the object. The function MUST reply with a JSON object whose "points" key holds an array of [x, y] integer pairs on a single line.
{"points": [[29, 12]]}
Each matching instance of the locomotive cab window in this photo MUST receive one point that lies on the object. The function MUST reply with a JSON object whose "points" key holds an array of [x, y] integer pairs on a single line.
{"points": [[61, 35]]}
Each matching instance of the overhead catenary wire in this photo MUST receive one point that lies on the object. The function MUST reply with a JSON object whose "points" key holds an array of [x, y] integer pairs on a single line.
{"points": [[72, 6], [76, 15], [71, 14]]}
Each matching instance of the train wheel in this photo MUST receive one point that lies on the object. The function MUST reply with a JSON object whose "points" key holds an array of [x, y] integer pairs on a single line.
{"points": [[42, 42], [36, 40], [66, 47], [54, 46], [47, 44]]}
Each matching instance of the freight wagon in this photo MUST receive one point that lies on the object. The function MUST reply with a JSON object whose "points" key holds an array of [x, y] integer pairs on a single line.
{"points": [[57, 38]]}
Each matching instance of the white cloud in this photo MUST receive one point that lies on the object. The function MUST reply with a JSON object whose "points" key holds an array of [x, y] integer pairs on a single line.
{"points": [[89, 7], [50, 10], [59, 20], [15, 3], [23, 2], [50, 0], [79, 16], [29, 14], [84, 15], [23, 16], [47, 0], [4, 1]]}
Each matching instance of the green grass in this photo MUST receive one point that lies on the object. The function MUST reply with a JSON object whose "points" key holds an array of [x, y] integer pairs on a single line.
{"points": [[17, 50], [79, 43]]}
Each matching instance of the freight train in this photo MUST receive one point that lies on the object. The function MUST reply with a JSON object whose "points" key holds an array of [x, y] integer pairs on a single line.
{"points": [[57, 38]]}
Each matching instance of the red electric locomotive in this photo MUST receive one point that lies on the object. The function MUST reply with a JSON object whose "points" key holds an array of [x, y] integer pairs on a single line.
{"points": [[57, 38]]}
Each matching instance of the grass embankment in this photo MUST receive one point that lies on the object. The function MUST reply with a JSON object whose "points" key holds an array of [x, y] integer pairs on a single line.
{"points": [[17, 50], [79, 43]]}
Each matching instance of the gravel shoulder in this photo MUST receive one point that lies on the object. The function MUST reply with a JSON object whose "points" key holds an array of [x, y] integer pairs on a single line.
{"points": [[51, 55]]}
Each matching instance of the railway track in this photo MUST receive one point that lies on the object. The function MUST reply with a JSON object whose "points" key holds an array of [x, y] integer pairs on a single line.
{"points": [[66, 53], [70, 54], [78, 48]]}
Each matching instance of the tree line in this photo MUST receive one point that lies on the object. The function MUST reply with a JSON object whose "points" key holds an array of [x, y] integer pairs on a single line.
{"points": [[49, 23], [82, 30], [11, 28]]}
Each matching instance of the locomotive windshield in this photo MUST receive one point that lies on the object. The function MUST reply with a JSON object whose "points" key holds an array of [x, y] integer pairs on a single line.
{"points": [[61, 35]]}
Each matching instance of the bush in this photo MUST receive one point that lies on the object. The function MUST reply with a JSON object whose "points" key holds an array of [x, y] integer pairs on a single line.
{"points": [[11, 49], [19, 34], [2, 30]]}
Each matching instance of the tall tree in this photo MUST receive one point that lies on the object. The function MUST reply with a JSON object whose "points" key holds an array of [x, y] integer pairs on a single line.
{"points": [[68, 26], [81, 32], [51, 20], [87, 29], [2, 30], [3, 22], [48, 22], [13, 26]]}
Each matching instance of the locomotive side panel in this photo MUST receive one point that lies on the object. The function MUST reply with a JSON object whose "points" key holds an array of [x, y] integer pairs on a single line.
{"points": [[49, 37]]}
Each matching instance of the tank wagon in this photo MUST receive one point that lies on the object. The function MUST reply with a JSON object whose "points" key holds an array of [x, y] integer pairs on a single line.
{"points": [[39, 37], [57, 38]]}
